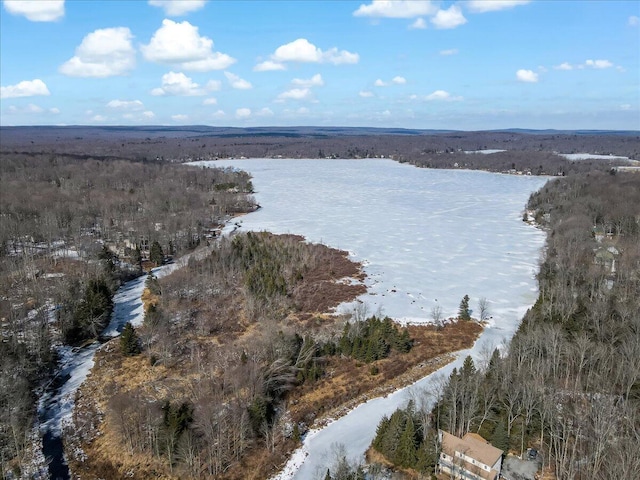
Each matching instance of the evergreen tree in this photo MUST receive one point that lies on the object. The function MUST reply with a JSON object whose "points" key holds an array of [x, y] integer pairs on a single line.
{"points": [[129, 342], [500, 439], [407, 445], [463, 311], [156, 255]]}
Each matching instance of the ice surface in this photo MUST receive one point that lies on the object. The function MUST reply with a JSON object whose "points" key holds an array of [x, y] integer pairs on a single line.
{"points": [[587, 156], [426, 237]]}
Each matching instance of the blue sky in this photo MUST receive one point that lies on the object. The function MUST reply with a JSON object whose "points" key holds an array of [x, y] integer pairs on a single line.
{"points": [[467, 65]]}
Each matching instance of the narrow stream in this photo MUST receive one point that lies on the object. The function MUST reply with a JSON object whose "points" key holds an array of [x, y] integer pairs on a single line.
{"points": [[56, 404]]}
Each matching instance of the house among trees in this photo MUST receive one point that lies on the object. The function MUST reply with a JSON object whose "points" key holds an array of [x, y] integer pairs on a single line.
{"points": [[470, 457]]}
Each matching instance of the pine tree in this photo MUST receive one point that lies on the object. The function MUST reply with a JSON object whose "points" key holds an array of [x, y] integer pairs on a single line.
{"points": [[463, 311], [129, 343], [156, 255]]}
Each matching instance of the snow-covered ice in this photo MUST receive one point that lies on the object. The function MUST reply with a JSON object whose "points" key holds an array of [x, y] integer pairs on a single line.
{"points": [[590, 156], [426, 238]]}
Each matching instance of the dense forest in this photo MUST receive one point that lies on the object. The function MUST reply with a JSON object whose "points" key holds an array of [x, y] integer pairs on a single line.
{"points": [[70, 232], [569, 382]]}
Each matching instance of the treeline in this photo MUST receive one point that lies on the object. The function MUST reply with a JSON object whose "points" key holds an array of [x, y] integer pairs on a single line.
{"points": [[193, 143], [569, 383]]}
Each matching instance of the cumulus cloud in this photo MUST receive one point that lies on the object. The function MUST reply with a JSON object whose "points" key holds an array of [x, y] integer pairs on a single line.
{"points": [[295, 94], [99, 118], [236, 82], [564, 66], [268, 66], [31, 109], [482, 6], [181, 45], [303, 51], [36, 10], [179, 117], [130, 105], [175, 8], [596, 64], [219, 114], [599, 64], [633, 21], [26, 88], [452, 17], [178, 84], [105, 52], [442, 95], [450, 51], [527, 76], [396, 9], [243, 113], [418, 24], [210, 101], [315, 81], [365, 94], [264, 112], [397, 80]]}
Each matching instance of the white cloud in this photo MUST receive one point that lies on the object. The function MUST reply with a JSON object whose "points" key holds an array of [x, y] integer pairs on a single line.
{"points": [[36, 10], [599, 64], [148, 114], [399, 80], [175, 8], [365, 94], [442, 95], [396, 9], [264, 112], [295, 94], [180, 85], [180, 117], [302, 111], [315, 81], [450, 51], [132, 105], [243, 113], [528, 76], [418, 24], [482, 6], [103, 53], [380, 83], [564, 66], [268, 66], [449, 18], [236, 82], [625, 106], [634, 21], [33, 108], [219, 114], [98, 118], [181, 45], [301, 50], [26, 88], [213, 85], [210, 101]]}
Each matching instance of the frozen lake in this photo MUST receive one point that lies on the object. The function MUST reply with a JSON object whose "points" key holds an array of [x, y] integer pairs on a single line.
{"points": [[426, 237]]}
